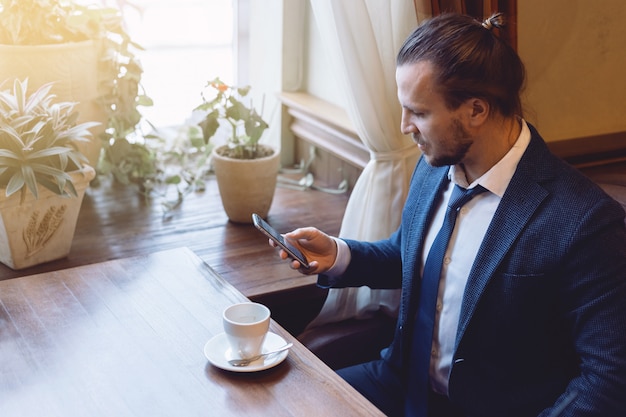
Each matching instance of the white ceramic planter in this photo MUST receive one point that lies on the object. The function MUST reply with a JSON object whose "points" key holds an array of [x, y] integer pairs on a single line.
{"points": [[246, 185], [40, 230], [73, 67]]}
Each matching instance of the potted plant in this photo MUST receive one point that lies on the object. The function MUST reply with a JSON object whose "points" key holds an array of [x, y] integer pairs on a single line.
{"points": [[43, 175], [246, 170], [88, 55]]}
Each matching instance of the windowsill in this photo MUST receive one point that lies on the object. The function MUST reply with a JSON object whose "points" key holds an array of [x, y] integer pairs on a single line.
{"points": [[326, 126]]}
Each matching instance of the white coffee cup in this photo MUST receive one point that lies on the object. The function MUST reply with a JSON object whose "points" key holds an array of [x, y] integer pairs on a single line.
{"points": [[246, 325]]}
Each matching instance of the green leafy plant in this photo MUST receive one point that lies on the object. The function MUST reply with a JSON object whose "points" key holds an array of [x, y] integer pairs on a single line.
{"points": [[227, 106], [43, 22], [38, 141], [181, 157], [182, 164]]}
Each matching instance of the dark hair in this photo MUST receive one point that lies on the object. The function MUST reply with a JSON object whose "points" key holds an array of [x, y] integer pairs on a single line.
{"points": [[469, 59]]}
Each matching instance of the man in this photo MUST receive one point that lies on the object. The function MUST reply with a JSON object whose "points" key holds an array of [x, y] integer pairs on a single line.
{"points": [[530, 303]]}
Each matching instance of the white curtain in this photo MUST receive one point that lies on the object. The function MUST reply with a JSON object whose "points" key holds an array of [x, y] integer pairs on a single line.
{"points": [[362, 38]]}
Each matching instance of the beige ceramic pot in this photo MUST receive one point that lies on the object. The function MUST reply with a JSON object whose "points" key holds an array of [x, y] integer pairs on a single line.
{"points": [[40, 230], [246, 185], [73, 67]]}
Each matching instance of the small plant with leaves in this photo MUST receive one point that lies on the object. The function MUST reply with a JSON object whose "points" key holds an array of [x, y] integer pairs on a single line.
{"points": [[45, 22], [227, 105], [38, 141], [179, 163]]}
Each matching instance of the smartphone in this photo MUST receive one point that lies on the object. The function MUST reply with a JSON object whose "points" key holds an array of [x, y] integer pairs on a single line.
{"points": [[270, 232]]}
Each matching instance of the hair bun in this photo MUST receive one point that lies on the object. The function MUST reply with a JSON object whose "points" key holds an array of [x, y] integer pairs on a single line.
{"points": [[495, 20]]}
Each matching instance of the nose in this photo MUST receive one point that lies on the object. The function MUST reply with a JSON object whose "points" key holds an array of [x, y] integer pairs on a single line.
{"points": [[406, 125]]}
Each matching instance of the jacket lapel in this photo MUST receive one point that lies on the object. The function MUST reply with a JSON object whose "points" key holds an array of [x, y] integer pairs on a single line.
{"points": [[421, 205], [519, 203]]}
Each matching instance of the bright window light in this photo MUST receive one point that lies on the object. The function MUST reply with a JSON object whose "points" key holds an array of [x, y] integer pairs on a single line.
{"points": [[187, 42]]}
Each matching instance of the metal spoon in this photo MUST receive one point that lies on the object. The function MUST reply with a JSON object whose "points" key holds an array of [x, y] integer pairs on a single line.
{"points": [[247, 361]]}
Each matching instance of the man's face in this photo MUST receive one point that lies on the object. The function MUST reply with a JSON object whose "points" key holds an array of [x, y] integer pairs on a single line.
{"points": [[439, 132]]}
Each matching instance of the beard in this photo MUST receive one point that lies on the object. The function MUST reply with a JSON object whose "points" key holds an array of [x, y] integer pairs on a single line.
{"points": [[458, 144]]}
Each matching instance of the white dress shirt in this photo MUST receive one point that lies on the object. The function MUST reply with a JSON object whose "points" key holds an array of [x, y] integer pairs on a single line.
{"points": [[471, 225]]}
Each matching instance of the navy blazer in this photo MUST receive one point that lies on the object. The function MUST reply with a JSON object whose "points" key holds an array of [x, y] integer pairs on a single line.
{"points": [[544, 310]]}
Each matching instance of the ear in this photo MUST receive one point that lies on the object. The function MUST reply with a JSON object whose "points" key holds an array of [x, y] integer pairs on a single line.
{"points": [[478, 111]]}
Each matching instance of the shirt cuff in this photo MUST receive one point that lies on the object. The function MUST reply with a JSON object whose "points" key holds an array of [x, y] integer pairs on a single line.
{"points": [[341, 261]]}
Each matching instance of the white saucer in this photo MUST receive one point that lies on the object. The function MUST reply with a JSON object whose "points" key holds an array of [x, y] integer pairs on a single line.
{"points": [[218, 352]]}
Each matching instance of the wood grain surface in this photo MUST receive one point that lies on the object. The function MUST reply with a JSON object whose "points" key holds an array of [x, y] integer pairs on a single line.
{"points": [[115, 221], [126, 337]]}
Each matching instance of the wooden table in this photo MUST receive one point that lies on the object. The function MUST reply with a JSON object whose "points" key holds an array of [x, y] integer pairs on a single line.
{"points": [[126, 337]]}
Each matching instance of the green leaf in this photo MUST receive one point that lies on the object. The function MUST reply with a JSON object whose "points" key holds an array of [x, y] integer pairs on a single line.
{"points": [[42, 94], [143, 100], [255, 126], [57, 150], [20, 92], [78, 159], [209, 125], [7, 157], [71, 189], [53, 186], [10, 135], [173, 179], [243, 91], [49, 171], [30, 179], [237, 110], [15, 184]]}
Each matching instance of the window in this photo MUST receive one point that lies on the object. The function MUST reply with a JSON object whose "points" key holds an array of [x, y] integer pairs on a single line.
{"points": [[187, 42]]}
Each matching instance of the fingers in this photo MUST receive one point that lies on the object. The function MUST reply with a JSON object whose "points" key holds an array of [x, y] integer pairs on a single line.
{"points": [[312, 242], [305, 233], [283, 255], [311, 270]]}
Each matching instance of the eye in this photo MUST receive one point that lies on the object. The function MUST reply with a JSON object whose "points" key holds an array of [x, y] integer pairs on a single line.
{"points": [[415, 111]]}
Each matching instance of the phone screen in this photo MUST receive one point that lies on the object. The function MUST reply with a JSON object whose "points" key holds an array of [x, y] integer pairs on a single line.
{"points": [[270, 232]]}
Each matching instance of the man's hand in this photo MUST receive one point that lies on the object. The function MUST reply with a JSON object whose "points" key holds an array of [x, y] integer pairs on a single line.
{"points": [[316, 246]]}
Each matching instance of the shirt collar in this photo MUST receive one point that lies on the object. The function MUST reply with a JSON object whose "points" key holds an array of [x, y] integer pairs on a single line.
{"points": [[497, 179]]}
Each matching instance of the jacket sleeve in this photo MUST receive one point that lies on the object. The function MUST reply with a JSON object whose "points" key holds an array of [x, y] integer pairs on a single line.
{"points": [[594, 304], [377, 265]]}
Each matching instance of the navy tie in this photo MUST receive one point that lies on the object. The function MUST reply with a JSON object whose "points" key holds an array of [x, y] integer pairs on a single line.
{"points": [[418, 387]]}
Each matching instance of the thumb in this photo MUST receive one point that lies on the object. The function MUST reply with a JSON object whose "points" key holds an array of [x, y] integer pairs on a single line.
{"points": [[303, 233]]}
